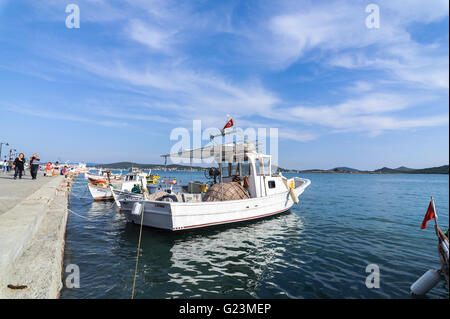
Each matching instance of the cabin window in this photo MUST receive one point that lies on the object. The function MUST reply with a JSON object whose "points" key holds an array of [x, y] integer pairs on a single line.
{"points": [[232, 169], [235, 169], [266, 161], [225, 171], [259, 167], [245, 169], [271, 184], [263, 166]]}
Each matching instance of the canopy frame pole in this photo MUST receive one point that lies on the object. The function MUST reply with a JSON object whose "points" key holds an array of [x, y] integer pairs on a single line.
{"points": [[165, 167], [190, 163]]}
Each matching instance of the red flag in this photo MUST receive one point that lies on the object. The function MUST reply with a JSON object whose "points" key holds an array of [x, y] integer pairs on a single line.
{"points": [[229, 124], [429, 215]]}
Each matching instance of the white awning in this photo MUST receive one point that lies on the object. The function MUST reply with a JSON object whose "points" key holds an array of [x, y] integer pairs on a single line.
{"points": [[231, 152]]}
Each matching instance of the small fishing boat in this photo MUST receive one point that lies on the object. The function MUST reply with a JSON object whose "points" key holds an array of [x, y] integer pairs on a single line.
{"points": [[97, 180], [247, 189], [155, 186], [101, 189], [102, 175]]}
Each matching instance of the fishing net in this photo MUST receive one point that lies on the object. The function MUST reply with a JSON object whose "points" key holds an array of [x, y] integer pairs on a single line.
{"points": [[225, 191], [157, 196], [165, 197]]}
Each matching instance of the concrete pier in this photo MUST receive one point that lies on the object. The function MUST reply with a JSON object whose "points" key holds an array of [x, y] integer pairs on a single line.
{"points": [[33, 216]]}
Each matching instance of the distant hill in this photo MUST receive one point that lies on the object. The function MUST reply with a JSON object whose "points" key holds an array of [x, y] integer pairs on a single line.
{"points": [[345, 169], [405, 170], [385, 170], [401, 169], [433, 170]]}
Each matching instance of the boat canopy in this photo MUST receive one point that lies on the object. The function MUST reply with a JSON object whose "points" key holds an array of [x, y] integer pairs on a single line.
{"points": [[229, 152]]}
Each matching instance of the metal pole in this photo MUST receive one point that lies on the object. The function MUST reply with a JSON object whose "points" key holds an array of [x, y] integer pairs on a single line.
{"points": [[1, 146]]}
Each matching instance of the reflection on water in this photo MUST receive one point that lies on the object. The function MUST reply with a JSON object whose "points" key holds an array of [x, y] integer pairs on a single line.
{"points": [[212, 262], [319, 249]]}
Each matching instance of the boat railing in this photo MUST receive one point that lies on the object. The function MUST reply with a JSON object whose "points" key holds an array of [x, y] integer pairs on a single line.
{"points": [[301, 182]]}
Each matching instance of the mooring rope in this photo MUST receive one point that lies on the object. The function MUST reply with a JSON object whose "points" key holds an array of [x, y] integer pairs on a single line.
{"points": [[81, 197], [138, 249], [71, 211]]}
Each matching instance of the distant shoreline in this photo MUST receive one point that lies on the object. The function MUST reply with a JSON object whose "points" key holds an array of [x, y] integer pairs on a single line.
{"points": [[442, 170], [368, 173]]}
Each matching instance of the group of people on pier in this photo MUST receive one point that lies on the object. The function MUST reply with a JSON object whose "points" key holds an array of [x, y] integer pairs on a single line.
{"points": [[20, 164]]}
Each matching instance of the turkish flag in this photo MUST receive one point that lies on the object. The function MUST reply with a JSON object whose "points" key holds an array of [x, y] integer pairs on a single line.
{"points": [[229, 124], [429, 215]]}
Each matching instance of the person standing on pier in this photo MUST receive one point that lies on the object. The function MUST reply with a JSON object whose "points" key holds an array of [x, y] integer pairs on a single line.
{"points": [[56, 168], [49, 169], [18, 166], [34, 165], [5, 166]]}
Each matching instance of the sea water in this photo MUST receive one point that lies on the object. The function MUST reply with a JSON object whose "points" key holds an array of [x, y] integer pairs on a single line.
{"points": [[319, 249]]}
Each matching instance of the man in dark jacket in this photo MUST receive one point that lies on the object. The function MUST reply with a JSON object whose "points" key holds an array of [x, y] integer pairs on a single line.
{"points": [[18, 165]]}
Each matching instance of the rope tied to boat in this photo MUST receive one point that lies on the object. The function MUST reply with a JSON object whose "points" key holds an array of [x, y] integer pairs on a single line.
{"points": [[71, 211], [138, 250]]}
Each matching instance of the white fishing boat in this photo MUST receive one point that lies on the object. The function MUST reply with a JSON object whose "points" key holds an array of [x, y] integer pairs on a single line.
{"points": [[103, 189], [153, 186], [246, 190], [102, 175], [100, 192]]}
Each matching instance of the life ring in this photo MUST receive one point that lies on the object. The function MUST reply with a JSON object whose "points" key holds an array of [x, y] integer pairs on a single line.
{"points": [[246, 182]]}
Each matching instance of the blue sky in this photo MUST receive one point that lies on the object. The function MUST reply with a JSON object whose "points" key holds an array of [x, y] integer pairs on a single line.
{"points": [[341, 94]]}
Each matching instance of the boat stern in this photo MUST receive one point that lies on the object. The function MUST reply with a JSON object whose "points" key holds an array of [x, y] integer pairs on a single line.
{"points": [[157, 214]]}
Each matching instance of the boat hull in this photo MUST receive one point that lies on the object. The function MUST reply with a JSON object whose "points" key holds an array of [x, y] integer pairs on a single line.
{"points": [[190, 215], [124, 195], [99, 193]]}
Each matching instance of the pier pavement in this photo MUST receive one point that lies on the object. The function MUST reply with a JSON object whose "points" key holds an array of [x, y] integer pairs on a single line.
{"points": [[12, 192], [33, 216]]}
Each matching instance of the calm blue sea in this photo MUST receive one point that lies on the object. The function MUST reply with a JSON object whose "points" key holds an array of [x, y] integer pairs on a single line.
{"points": [[320, 249]]}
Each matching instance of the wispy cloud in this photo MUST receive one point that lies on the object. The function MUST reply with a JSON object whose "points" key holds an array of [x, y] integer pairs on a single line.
{"points": [[289, 134], [26, 71], [156, 53], [151, 36], [373, 113], [33, 111]]}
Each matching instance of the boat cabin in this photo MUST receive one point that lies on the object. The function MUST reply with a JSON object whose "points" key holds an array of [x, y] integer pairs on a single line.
{"points": [[136, 177], [241, 163], [257, 167]]}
